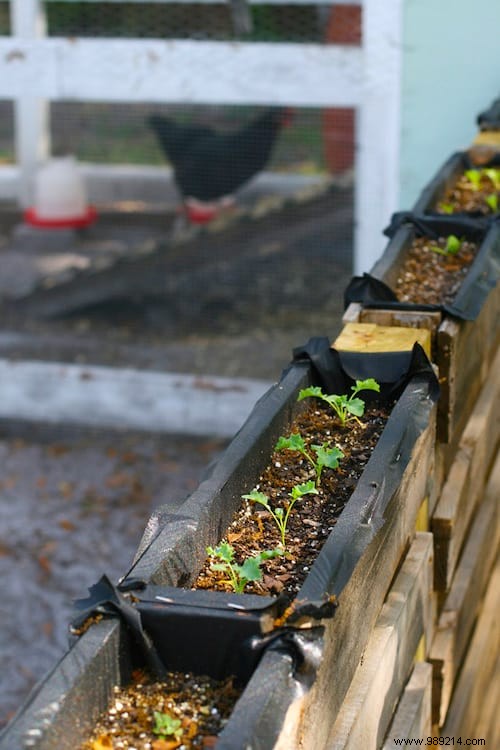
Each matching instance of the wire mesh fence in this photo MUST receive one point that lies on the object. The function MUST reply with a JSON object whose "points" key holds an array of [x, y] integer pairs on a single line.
{"points": [[287, 266]]}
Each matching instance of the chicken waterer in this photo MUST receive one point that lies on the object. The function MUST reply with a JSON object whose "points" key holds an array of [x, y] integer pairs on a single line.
{"points": [[60, 197]]}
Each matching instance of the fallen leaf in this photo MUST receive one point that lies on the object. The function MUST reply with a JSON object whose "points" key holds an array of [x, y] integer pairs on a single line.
{"points": [[67, 525], [66, 489], [120, 479], [165, 744], [104, 742], [129, 457], [48, 628], [45, 564], [209, 741], [57, 449]]}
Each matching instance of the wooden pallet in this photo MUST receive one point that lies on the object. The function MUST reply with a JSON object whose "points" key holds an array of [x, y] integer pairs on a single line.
{"points": [[406, 617], [462, 602], [478, 684], [412, 719], [465, 482]]}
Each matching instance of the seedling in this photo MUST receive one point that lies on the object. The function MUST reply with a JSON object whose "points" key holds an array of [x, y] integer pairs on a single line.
{"points": [[452, 247], [166, 726], [325, 455], [494, 176], [280, 515], [474, 177], [446, 208], [347, 408], [238, 576], [492, 201]]}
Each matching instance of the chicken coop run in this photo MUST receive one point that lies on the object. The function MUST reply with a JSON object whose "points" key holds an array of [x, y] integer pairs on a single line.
{"points": [[83, 78]]}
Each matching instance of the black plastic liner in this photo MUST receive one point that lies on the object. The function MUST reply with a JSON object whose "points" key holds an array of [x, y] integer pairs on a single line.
{"points": [[490, 118], [238, 625], [484, 273]]}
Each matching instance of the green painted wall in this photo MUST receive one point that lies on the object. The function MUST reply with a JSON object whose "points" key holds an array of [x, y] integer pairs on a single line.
{"points": [[451, 72]]}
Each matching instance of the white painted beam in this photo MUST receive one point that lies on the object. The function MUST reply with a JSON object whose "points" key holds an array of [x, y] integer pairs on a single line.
{"points": [[32, 133], [181, 71], [126, 398], [378, 129]]}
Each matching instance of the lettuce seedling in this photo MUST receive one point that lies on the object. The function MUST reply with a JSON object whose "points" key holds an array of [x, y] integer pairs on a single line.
{"points": [[492, 201], [452, 247], [239, 575], [166, 726], [347, 408], [474, 177], [494, 176], [325, 455], [280, 515]]}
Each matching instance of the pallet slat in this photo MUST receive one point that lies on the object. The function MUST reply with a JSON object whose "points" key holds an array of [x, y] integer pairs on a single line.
{"points": [[478, 670], [406, 616], [460, 608], [466, 479], [412, 719]]}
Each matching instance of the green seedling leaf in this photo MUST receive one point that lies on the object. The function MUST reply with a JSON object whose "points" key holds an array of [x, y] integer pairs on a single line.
{"points": [[492, 201], [293, 443], [250, 570], [224, 552], [308, 488], [258, 497], [365, 385], [356, 407], [474, 177], [446, 208], [346, 408], [493, 175], [313, 390], [452, 247], [167, 726], [327, 456]]}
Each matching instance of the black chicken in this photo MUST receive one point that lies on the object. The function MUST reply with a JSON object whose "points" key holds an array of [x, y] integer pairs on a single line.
{"points": [[210, 165]]}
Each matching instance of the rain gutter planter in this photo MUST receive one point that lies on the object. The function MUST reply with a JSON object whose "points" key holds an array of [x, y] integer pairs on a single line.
{"points": [[356, 565], [463, 347]]}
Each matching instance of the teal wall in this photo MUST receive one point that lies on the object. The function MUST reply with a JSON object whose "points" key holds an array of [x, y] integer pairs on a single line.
{"points": [[451, 72]]}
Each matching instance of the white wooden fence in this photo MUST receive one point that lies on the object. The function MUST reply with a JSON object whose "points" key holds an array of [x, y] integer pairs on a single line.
{"points": [[35, 69]]}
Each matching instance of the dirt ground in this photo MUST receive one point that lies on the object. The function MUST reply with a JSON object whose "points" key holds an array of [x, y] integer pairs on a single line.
{"points": [[74, 503]]}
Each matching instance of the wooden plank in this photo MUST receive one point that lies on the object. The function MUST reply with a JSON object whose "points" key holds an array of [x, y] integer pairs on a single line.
{"points": [[462, 603], [412, 719], [368, 337], [478, 670], [464, 354], [348, 632], [206, 72], [388, 658], [466, 479], [487, 724], [402, 318], [124, 398]]}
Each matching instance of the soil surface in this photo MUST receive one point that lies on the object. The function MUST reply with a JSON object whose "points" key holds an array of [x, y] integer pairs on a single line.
{"points": [[313, 515], [192, 709], [430, 277], [481, 194], [74, 503]]}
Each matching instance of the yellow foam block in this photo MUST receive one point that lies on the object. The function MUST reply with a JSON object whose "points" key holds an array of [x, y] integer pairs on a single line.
{"points": [[369, 337], [487, 138]]}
